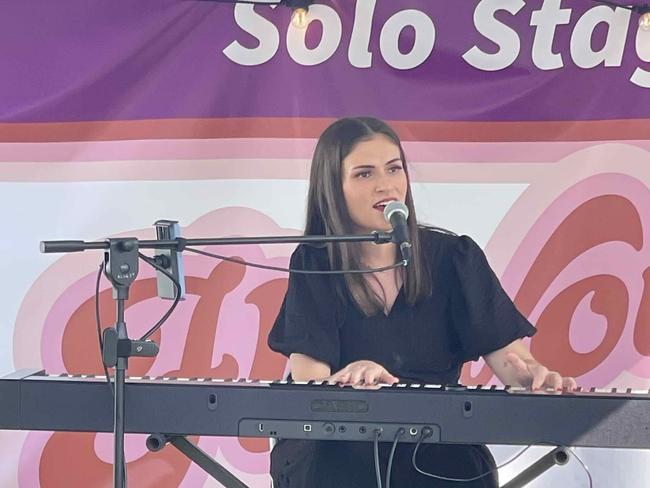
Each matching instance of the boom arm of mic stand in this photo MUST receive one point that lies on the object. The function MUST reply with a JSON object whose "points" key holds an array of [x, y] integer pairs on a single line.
{"points": [[378, 237]]}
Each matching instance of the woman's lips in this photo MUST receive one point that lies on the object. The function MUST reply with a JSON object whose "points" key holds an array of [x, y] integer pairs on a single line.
{"points": [[380, 205]]}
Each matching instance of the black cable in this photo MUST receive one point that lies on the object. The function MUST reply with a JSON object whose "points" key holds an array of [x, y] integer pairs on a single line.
{"points": [[376, 449], [99, 327], [400, 432], [584, 466], [427, 432], [177, 296], [297, 271]]}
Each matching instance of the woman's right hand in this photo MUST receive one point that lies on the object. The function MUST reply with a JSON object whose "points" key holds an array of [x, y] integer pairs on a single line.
{"points": [[363, 374]]}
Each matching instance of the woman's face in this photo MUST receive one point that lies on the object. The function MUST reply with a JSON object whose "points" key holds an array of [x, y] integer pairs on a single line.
{"points": [[373, 175]]}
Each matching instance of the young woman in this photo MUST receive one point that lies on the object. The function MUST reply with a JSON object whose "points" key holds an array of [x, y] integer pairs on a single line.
{"points": [[416, 324]]}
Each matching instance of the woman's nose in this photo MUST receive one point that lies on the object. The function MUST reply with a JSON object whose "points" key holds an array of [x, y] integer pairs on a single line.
{"points": [[382, 184]]}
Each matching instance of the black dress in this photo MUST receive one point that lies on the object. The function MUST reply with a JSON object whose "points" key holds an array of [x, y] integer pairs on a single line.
{"points": [[467, 315]]}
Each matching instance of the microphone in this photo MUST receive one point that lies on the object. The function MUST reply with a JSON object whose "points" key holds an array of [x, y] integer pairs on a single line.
{"points": [[396, 213]]}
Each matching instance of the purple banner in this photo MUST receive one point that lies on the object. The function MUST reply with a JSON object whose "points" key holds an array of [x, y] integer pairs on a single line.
{"points": [[491, 60]]}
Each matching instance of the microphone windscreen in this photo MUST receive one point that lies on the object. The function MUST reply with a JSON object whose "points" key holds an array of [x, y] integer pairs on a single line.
{"points": [[393, 207]]}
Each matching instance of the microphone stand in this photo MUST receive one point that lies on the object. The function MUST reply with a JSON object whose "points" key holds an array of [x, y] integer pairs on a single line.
{"points": [[121, 260]]}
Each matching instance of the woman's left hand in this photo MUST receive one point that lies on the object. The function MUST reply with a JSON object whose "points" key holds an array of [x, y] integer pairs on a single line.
{"points": [[534, 375]]}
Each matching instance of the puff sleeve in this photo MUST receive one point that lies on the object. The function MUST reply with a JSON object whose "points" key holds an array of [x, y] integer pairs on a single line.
{"points": [[484, 316], [306, 323]]}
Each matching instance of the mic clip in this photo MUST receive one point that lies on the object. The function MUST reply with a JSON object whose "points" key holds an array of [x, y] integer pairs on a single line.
{"points": [[406, 251], [115, 348], [382, 237]]}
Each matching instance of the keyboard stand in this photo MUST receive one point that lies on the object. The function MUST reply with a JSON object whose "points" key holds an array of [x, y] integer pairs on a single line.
{"points": [[156, 442], [557, 457]]}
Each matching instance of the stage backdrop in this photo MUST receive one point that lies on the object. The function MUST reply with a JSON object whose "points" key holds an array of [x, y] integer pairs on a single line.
{"points": [[525, 124]]}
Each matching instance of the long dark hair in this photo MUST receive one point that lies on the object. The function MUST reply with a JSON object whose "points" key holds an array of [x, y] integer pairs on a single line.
{"points": [[327, 213]]}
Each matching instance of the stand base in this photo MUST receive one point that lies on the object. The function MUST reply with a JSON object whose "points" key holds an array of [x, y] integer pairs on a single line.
{"points": [[156, 442]]}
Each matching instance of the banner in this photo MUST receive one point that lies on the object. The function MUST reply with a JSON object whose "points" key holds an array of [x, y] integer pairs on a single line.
{"points": [[525, 126]]}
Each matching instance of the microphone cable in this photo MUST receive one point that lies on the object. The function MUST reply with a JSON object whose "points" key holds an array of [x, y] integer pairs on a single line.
{"points": [[583, 465], [177, 288], [399, 264], [99, 327], [177, 294]]}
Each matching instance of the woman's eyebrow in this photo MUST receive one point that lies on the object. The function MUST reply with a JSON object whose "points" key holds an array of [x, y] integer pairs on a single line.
{"points": [[370, 166]]}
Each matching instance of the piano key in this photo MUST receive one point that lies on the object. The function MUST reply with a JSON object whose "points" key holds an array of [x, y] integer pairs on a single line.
{"points": [[552, 391]]}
